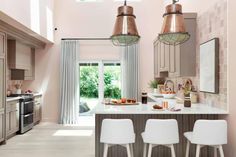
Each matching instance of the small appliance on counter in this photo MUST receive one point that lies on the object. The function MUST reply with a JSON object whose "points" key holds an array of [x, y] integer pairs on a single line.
{"points": [[144, 98], [18, 88]]}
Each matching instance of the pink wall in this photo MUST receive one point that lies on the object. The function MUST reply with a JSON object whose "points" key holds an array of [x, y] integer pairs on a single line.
{"points": [[39, 18], [79, 20], [230, 149], [75, 19]]}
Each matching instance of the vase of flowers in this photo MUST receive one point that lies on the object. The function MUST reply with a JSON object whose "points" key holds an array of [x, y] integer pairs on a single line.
{"points": [[187, 87]]}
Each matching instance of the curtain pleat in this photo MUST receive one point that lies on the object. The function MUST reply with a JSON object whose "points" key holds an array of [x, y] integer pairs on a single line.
{"points": [[69, 82], [130, 71]]}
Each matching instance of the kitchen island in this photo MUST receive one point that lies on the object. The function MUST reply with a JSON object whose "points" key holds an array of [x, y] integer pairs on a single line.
{"points": [[139, 114]]}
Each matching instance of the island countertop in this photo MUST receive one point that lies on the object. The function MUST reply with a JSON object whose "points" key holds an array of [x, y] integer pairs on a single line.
{"points": [[148, 109]]}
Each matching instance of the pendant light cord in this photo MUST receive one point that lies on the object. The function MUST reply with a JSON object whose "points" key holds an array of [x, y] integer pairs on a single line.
{"points": [[125, 3], [175, 1]]}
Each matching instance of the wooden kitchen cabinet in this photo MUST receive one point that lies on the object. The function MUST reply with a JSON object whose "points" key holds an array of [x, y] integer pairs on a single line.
{"points": [[19, 55], [37, 109], [161, 59], [2, 85], [30, 74], [156, 57], [12, 117], [183, 57], [179, 60], [21, 61]]}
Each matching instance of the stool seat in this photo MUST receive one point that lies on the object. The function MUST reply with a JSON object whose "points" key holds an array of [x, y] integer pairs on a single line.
{"points": [[160, 132], [207, 133], [189, 136], [117, 132]]}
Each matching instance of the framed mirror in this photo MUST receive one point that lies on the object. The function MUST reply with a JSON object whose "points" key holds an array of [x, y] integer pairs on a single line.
{"points": [[209, 66]]}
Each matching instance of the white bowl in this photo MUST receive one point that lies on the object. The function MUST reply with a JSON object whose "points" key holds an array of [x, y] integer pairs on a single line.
{"points": [[169, 96]]}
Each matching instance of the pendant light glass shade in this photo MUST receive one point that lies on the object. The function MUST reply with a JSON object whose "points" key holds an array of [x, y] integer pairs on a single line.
{"points": [[125, 31], [173, 30]]}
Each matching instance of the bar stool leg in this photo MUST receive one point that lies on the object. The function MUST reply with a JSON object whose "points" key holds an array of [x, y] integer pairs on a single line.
{"points": [[150, 150], [187, 149], [221, 151], [128, 150], [172, 150], [215, 151], [132, 150], [105, 151], [145, 150], [198, 150]]}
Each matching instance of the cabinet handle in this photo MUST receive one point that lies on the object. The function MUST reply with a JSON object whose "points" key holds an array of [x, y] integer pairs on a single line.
{"points": [[28, 115]]}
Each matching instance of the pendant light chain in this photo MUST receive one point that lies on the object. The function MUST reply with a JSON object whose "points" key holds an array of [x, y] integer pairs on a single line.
{"points": [[175, 1], [125, 3]]}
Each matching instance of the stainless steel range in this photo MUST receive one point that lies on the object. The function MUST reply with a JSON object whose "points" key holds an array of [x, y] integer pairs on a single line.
{"points": [[26, 112]]}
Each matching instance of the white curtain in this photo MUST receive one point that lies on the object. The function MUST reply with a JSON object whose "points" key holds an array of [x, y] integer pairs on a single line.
{"points": [[130, 71], [69, 82]]}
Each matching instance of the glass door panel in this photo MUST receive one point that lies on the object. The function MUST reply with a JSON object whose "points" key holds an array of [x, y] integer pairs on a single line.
{"points": [[89, 92], [112, 80]]}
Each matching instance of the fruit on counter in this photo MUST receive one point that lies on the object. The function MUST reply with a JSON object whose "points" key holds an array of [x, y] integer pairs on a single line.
{"points": [[157, 107], [168, 92], [123, 100], [133, 101]]}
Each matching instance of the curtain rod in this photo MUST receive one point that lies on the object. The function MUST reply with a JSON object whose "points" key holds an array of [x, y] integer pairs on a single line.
{"points": [[86, 39]]}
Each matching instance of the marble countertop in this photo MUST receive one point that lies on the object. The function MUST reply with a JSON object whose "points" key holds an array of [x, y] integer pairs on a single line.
{"points": [[148, 109], [8, 99], [13, 98], [197, 108]]}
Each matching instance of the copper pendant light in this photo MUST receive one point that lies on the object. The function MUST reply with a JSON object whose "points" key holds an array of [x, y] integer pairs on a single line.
{"points": [[125, 31], [173, 30]]}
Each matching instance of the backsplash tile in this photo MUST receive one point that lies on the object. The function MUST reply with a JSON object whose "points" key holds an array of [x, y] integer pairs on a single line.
{"points": [[212, 24]]}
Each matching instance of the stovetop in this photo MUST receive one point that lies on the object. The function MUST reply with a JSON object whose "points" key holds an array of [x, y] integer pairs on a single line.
{"points": [[23, 96]]}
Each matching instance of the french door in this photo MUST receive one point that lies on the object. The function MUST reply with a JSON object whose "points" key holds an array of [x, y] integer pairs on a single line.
{"points": [[99, 80]]}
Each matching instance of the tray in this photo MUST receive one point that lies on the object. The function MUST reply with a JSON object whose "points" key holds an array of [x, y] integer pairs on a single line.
{"points": [[122, 104]]}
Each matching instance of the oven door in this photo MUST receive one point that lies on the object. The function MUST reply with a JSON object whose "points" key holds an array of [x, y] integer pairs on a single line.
{"points": [[26, 122], [27, 107]]}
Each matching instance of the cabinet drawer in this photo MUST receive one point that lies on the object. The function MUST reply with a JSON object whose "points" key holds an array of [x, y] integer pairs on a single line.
{"points": [[12, 106], [37, 99]]}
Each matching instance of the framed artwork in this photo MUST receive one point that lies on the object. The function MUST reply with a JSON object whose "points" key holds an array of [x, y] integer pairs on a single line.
{"points": [[209, 66]]}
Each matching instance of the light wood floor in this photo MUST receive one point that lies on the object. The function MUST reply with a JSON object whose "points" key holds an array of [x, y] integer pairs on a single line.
{"points": [[52, 140]]}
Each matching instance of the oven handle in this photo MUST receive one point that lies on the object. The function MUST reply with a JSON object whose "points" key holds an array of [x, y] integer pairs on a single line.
{"points": [[28, 115], [28, 102]]}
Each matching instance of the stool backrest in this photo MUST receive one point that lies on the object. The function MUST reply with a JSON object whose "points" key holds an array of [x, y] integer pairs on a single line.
{"points": [[210, 132], [117, 131], [162, 131]]}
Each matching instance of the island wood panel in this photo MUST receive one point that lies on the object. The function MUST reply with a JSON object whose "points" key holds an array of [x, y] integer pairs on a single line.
{"points": [[185, 122]]}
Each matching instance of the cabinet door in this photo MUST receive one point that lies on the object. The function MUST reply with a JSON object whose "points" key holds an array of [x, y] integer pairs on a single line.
{"points": [[14, 121], [156, 67], [12, 117], [29, 74], [2, 44], [8, 123], [2, 128], [164, 57], [2, 84], [174, 68]]}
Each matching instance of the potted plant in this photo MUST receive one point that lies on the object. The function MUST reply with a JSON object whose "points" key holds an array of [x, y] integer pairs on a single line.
{"points": [[155, 85]]}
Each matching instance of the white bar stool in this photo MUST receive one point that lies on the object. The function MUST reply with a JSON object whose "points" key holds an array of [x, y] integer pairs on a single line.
{"points": [[160, 132], [118, 132], [208, 133]]}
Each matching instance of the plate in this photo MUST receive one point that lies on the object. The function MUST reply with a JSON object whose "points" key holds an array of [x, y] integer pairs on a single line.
{"points": [[158, 109]]}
